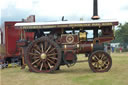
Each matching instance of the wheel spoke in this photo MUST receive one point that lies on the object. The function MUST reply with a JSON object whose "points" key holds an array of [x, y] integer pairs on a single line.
{"points": [[53, 58], [36, 51], [102, 57], [49, 64], [51, 50], [50, 61], [35, 57], [105, 58], [34, 54], [39, 63], [35, 61], [94, 64], [48, 49], [52, 54], [93, 59], [102, 64], [41, 66], [42, 47], [96, 57], [37, 48], [98, 65]]}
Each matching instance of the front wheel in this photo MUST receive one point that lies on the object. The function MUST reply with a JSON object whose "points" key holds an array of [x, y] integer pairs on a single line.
{"points": [[100, 61]]}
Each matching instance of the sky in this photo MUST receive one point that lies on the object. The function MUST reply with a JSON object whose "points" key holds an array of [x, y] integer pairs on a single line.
{"points": [[53, 10]]}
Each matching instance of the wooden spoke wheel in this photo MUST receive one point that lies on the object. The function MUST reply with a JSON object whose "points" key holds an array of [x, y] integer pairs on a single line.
{"points": [[43, 55], [100, 61]]}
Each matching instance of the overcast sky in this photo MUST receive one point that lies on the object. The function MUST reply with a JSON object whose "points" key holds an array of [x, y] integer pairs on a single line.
{"points": [[52, 10]]}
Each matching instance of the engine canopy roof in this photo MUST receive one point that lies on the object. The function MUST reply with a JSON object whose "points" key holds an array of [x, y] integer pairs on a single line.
{"points": [[66, 24]]}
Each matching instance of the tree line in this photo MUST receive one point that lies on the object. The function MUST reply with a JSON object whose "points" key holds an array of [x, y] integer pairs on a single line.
{"points": [[121, 35]]}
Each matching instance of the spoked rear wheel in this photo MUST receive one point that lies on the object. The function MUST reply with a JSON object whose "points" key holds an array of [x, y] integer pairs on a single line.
{"points": [[43, 55], [100, 61]]}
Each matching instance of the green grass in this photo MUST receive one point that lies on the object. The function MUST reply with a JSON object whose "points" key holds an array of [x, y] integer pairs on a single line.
{"points": [[80, 74]]}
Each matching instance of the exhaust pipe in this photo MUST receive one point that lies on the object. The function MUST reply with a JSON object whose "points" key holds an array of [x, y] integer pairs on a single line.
{"points": [[95, 10]]}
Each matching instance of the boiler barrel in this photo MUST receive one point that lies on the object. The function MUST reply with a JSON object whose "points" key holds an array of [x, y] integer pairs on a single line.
{"points": [[90, 47], [83, 48]]}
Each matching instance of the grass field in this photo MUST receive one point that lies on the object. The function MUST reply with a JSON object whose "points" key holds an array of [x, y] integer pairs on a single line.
{"points": [[80, 74]]}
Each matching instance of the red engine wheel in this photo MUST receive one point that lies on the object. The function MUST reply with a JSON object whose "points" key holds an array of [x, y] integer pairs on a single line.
{"points": [[100, 61], [43, 55]]}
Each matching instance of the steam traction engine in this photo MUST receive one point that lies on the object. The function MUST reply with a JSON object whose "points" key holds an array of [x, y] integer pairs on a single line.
{"points": [[57, 43]]}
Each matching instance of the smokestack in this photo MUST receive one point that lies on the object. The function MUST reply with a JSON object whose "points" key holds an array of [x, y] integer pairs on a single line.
{"points": [[95, 10]]}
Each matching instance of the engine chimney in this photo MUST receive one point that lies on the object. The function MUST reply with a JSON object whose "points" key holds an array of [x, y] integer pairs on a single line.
{"points": [[95, 10]]}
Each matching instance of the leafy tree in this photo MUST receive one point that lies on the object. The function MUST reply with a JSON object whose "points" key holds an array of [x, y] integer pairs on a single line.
{"points": [[121, 35]]}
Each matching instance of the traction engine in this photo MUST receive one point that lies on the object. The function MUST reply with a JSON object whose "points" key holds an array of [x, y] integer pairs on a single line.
{"points": [[58, 43]]}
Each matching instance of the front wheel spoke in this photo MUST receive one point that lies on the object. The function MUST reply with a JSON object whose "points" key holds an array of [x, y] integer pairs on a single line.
{"points": [[94, 64], [105, 63], [35, 61], [101, 56], [102, 64], [105, 60], [96, 57], [105, 66], [94, 60], [98, 65]]}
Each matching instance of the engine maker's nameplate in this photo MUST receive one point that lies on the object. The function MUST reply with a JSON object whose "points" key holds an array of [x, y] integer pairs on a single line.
{"points": [[69, 39]]}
